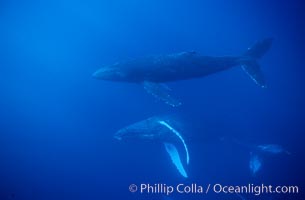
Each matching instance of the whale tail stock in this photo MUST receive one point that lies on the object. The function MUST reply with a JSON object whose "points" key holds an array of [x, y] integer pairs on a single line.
{"points": [[249, 60]]}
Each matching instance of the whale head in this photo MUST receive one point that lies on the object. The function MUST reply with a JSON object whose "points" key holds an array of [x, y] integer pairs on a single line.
{"points": [[149, 129], [110, 73], [126, 134], [134, 132]]}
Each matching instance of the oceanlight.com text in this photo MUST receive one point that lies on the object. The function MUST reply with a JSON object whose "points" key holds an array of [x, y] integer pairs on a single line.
{"points": [[255, 189], [194, 188]]}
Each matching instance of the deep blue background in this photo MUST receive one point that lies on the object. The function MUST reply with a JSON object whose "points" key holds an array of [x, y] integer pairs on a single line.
{"points": [[57, 123]]}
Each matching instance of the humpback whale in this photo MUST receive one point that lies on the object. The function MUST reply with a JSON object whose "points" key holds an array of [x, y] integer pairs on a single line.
{"points": [[272, 149], [258, 152], [255, 163], [157, 129], [153, 71]]}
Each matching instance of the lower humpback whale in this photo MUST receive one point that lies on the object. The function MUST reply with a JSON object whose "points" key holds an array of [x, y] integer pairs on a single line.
{"points": [[158, 129], [154, 71]]}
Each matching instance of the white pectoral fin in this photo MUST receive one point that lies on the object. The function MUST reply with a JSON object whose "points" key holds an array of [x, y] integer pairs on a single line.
{"points": [[161, 92], [164, 123], [175, 157]]}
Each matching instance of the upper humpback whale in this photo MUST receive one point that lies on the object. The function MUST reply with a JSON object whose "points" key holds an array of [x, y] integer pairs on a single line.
{"points": [[153, 71]]}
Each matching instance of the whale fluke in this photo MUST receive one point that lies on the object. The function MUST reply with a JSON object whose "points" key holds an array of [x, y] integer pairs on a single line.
{"points": [[249, 61]]}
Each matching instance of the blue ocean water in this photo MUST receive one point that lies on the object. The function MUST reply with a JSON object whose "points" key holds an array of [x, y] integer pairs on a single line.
{"points": [[57, 122]]}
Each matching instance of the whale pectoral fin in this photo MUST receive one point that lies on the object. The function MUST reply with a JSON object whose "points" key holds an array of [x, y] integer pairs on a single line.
{"points": [[175, 157], [164, 123], [255, 163], [161, 92]]}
